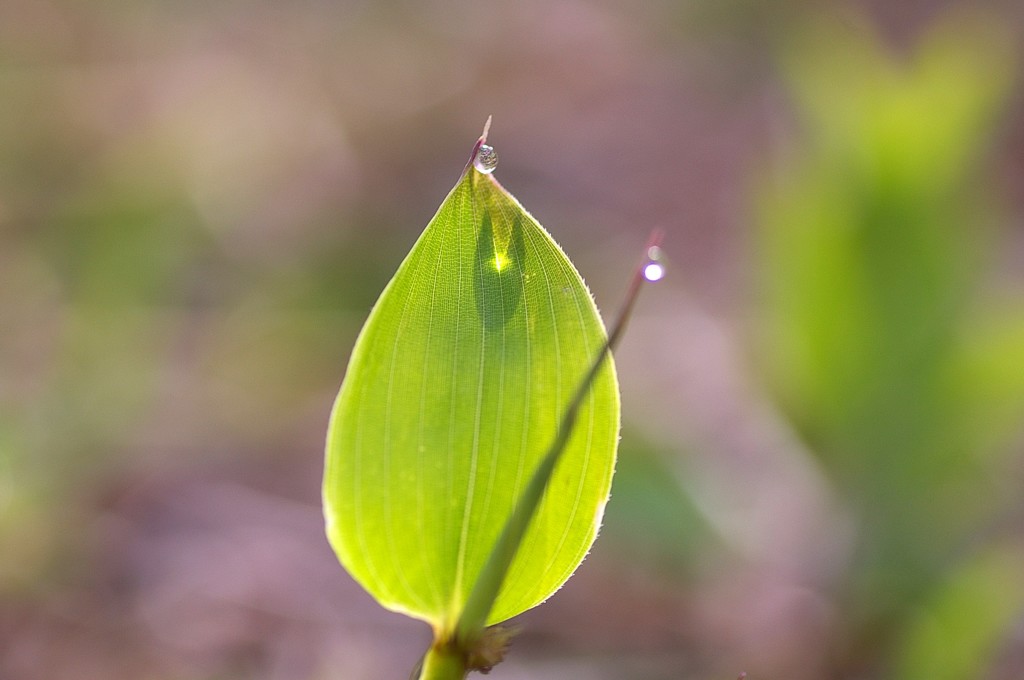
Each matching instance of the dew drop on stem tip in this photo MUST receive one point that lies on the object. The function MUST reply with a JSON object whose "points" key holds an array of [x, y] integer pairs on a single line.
{"points": [[486, 159], [654, 269]]}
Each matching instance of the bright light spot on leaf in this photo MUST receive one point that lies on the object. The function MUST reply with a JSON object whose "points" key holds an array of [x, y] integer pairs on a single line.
{"points": [[501, 261]]}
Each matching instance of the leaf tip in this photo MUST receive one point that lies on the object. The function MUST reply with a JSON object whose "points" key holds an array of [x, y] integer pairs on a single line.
{"points": [[484, 158], [481, 143]]}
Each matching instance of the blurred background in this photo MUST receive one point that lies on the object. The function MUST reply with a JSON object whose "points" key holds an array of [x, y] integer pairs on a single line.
{"points": [[822, 466]]}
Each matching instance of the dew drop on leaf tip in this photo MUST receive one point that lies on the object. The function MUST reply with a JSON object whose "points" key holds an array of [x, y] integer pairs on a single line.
{"points": [[486, 159], [653, 269]]}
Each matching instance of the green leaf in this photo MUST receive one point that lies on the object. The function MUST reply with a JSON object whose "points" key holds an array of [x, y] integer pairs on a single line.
{"points": [[453, 394], [957, 635]]}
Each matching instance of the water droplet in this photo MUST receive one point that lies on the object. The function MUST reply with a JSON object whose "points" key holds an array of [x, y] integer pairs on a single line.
{"points": [[486, 159], [653, 269]]}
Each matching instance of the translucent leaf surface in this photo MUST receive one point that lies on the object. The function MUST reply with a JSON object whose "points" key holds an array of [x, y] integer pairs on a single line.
{"points": [[453, 393]]}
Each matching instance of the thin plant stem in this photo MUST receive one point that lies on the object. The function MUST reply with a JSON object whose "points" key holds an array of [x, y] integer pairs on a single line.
{"points": [[447, 658], [443, 662]]}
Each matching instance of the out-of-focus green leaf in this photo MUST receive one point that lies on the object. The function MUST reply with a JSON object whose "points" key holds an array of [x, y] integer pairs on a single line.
{"points": [[955, 636], [990, 371], [453, 393], [872, 245], [654, 519]]}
